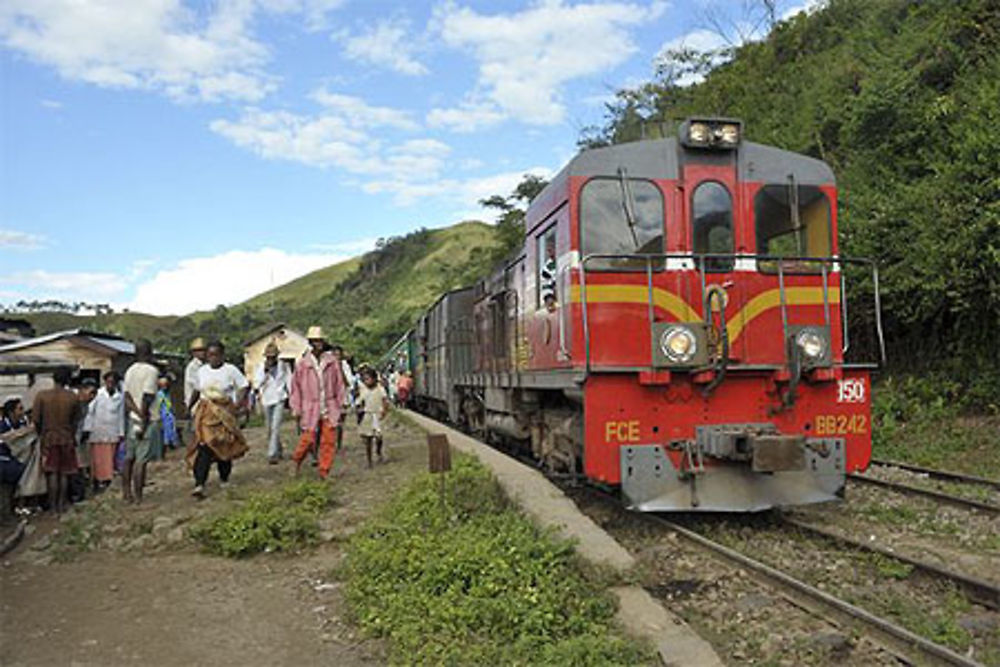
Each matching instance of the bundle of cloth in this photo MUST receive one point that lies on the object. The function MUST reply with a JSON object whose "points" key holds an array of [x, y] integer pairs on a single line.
{"points": [[216, 427]]}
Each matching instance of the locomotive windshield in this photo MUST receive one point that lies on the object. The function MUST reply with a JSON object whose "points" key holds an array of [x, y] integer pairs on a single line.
{"points": [[712, 213], [609, 227], [792, 221]]}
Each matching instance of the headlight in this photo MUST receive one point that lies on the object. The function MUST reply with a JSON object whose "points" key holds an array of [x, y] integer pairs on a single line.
{"points": [[811, 344], [728, 134], [678, 344], [711, 133], [699, 133]]}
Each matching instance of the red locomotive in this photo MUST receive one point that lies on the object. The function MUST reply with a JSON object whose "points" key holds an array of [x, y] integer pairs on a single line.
{"points": [[674, 326]]}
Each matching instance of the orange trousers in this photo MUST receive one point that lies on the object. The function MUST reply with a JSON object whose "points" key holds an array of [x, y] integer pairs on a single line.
{"points": [[327, 446]]}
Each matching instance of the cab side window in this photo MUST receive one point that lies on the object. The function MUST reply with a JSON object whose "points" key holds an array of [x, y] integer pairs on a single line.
{"points": [[546, 278]]}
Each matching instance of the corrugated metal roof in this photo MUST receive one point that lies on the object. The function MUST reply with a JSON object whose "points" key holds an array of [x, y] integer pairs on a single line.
{"points": [[124, 346], [110, 341]]}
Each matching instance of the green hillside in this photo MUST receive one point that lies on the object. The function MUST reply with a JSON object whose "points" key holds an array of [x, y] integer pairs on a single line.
{"points": [[902, 98], [305, 288], [363, 303]]}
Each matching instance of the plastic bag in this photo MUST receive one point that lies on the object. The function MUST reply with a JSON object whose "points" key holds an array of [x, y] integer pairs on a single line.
{"points": [[120, 456], [32, 481]]}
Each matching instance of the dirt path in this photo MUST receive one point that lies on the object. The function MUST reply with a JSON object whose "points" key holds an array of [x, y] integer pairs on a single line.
{"points": [[112, 584]]}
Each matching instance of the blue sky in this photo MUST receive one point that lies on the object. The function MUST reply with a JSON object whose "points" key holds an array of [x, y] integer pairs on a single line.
{"points": [[171, 155]]}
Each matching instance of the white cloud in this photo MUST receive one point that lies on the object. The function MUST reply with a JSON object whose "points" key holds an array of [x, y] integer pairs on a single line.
{"points": [[466, 117], [338, 137], [12, 238], [51, 104], [701, 40], [76, 284], [386, 44], [195, 283], [319, 141], [201, 283], [463, 192], [526, 58], [206, 54], [358, 113], [809, 6]]}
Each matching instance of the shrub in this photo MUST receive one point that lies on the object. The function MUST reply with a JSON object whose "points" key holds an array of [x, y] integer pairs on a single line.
{"points": [[283, 520], [474, 582]]}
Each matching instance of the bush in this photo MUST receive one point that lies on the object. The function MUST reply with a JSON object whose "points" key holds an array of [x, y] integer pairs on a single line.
{"points": [[474, 582], [283, 520], [920, 420]]}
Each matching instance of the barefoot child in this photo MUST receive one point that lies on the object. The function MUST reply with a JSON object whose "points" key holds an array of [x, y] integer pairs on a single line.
{"points": [[374, 405]]}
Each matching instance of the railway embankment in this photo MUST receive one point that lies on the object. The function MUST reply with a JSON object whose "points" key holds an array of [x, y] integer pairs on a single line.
{"points": [[639, 613]]}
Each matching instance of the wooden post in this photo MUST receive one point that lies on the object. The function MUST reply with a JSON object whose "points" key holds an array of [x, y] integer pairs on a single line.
{"points": [[439, 458]]}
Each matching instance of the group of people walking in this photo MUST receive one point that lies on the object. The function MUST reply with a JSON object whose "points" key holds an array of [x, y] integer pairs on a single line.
{"points": [[320, 392], [124, 423]]}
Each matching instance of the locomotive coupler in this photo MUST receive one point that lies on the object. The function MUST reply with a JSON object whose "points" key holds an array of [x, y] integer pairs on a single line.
{"points": [[760, 445]]}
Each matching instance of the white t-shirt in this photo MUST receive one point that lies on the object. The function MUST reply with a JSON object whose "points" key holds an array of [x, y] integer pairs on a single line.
{"points": [[191, 378], [227, 379], [273, 384], [140, 378], [104, 417], [370, 399]]}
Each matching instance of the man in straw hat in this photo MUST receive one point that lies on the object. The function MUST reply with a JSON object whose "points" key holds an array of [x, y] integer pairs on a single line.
{"points": [[271, 382], [191, 370], [316, 399]]}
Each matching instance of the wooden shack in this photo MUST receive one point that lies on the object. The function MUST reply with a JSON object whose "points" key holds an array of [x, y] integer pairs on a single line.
{"points": [[91, 352], [291, 346]]}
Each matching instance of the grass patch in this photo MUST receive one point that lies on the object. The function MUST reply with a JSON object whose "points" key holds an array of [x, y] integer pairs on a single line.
{"points": [[890, 567], [919, 421], [80, 533], [894, 515], [475, 582], [939, 624], [282, 520]]}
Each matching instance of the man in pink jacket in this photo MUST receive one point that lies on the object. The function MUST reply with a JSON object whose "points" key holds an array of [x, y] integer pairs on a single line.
{"points": [[316, 396]]}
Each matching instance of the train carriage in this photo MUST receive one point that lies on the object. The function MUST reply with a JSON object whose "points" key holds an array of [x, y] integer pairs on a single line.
{"points": [[445, 348], [675, 326]]}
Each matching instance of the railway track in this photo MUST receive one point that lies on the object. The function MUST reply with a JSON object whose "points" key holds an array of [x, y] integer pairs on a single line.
{"points": [[907, 646], [978, 591], [943, 475], [938, 496]]}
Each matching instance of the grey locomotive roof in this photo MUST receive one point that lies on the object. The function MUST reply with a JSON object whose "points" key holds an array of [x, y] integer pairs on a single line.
{"points": [[660, 158]]}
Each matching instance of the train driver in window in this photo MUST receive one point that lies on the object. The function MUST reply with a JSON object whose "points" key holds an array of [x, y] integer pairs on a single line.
{"points": [[547, 272]]}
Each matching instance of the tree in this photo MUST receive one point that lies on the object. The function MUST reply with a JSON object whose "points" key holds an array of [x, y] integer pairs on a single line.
{"points": [[510, 221]]}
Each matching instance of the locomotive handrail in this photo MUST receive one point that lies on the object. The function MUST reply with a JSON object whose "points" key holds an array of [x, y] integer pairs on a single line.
{"points": [[562, 284], [698, 264]]}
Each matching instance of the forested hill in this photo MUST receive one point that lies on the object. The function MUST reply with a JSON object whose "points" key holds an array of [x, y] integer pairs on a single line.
{"points": [[366, 302], [902, 98], [362, 303]]}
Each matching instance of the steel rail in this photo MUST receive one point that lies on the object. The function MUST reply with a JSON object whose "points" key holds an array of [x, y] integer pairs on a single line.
{"points": [[934, 473], [939, 496], [895, 638], [981, 592]]}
